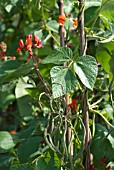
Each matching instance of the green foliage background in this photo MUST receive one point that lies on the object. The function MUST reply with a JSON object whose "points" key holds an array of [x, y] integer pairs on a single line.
{"points": [[20, 89]]}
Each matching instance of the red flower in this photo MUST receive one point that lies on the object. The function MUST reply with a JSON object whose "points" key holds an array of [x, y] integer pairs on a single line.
{"points": [[42, 142], [18, 50], [103, 161], [12, 57], [29, 36], [42, 27], [38, 42], [69, 45], [73, 106], [12, 132], [61, 19], [21, 46], [92, 167], [28, 58], [29, 44], [108, 168], [21, 43], [75, 24]]}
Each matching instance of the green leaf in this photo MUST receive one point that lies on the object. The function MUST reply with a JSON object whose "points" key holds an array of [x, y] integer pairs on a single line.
{"points": [[12, 72], [58, 56], [5, 162], [105, 21], [63, 81], [108, 8], [53, 26], [28, 147], [86, 69], [21, 167], [9, 7], [14, 1], [7, 68], [23, 98], [90, 16], [48, 161], [67, 6], [101, 141], [7, 141], [91, 3], [6, 99], [39, 33], [105, 56]]}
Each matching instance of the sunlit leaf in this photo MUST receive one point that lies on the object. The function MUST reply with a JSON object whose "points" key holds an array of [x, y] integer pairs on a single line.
{"points": [[63, 81], [7, 141], [53, 26], [86, 69], [58, 56]]}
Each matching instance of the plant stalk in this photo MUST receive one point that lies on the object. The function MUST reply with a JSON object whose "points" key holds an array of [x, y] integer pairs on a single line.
{"points": [[85, 95], [62, 44]]}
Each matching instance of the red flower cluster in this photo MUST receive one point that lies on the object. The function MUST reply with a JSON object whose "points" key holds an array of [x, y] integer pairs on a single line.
{"points": [[61, 19], [3, 49], [29, 44], [73, 106], [3, 52]]}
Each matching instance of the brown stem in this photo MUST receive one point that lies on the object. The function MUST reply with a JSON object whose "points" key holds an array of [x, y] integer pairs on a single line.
{"points": [[88, 134], [85, 98], [62, 43], [82, 33], [41, 78], [61, 27]]}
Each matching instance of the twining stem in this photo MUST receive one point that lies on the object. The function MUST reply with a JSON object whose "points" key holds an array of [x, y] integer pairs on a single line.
{"points": [[54, 38], [85, 95], [41, 78], [61, 27], [82, 33], [110, 93], [62, 43], [108, 123]]}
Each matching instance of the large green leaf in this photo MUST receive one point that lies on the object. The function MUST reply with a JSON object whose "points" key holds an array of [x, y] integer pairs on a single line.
{"points": [[58, 56], [102, 146], [28, 147], [13, 72], [63, 81], [68, 6], [108, 10], [90, 15], [53, 26], [48, 161], [7, 141], [86, 69], [8, 67], [5, 162], [21, 167], [105, 56]]}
